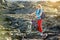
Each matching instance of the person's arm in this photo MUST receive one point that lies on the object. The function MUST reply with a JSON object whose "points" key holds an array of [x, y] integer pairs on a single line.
{"points": [[33, 14]]}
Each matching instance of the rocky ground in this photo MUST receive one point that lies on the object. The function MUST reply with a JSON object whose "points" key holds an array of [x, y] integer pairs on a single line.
{"points": [[16, 22]]}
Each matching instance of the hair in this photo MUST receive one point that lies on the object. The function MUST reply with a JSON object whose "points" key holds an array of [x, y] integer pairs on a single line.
{"points": [[39, 6]]}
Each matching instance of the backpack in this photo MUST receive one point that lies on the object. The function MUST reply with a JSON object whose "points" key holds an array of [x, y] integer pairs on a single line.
{"points": [[43, 15]]}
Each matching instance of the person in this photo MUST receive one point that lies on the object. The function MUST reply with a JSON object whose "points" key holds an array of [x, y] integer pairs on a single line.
{"points": [[38, 13]]}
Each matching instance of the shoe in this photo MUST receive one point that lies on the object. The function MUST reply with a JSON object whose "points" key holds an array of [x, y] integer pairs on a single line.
{"points": [[43, 35]]}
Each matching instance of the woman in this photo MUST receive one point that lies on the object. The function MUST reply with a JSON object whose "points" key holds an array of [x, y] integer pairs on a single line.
{"points": [[39, 19]]}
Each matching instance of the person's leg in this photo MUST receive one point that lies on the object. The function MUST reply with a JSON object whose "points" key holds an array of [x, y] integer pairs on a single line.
{"points": [[39, 23], [40, 29]]}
